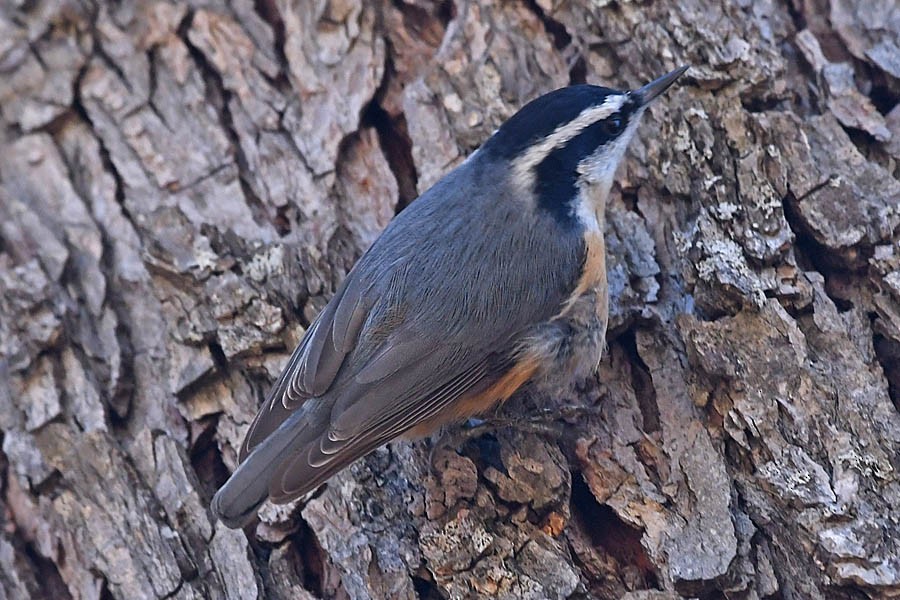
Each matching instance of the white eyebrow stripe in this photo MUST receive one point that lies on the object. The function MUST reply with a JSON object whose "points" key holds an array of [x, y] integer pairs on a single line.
{"points": [[523, 165]]}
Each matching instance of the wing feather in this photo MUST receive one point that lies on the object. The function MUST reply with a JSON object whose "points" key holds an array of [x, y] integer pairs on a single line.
{"points": [[314, 364], [307, 469], [350, 316]]}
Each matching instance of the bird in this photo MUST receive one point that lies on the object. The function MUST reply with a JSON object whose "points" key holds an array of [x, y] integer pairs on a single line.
{"points": [[493, 277]]}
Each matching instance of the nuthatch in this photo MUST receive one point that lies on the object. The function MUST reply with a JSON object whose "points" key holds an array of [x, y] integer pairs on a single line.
{"points": [[493, 277]]}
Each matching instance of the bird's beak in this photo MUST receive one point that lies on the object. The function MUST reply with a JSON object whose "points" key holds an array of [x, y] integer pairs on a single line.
{"points": [[658, 86]]}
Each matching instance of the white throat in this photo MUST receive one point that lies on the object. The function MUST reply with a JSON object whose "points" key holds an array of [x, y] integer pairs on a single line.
{"points": [[596, 175]]}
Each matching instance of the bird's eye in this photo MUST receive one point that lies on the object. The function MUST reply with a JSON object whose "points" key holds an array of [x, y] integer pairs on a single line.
{"points": [[614, 125]]}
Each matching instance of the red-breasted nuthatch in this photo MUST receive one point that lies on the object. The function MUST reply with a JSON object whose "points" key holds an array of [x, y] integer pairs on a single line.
{"points": [[494, 276]]}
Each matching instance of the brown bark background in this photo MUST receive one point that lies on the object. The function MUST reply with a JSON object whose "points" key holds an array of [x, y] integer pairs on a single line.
{"points": [[182, 185]]}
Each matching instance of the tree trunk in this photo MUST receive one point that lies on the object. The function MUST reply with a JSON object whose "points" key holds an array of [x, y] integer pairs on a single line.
{"points": [[182, 186]]}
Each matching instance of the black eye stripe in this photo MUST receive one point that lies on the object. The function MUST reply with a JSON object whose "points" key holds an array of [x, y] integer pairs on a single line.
{"points": [[544, 115], [556, 176], [614, 124]]}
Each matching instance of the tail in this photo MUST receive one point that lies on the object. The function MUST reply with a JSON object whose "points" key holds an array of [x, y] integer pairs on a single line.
{"points": [[238, 499]]}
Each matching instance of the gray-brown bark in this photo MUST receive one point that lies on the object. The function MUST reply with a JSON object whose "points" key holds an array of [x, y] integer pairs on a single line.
{"points": [[183, 185]]}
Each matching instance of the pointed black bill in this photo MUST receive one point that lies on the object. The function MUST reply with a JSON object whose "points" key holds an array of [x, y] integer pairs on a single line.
{"points": [[658, 86]]}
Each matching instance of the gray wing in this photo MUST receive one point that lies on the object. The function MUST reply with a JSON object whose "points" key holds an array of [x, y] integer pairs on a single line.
{"points": [[430, 314], [314, 363], [405, 398]]}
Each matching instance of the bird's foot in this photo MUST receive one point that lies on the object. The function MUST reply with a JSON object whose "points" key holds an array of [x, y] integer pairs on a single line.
{"points": [[546, 421], [451, 440], [542, 420]]}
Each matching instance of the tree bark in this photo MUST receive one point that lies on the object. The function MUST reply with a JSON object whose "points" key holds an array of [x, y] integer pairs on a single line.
{"points": [[182, 186]]}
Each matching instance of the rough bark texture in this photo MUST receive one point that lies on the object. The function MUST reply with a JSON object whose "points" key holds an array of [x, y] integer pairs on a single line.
{"points": [[182, 185]]}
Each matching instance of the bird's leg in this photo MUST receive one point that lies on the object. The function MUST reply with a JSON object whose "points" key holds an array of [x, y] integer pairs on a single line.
{"points": [[543, 421], [557, 413], [453, 438]]}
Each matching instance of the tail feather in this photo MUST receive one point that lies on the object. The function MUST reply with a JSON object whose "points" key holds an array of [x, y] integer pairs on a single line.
{"points": [[237, 500]]}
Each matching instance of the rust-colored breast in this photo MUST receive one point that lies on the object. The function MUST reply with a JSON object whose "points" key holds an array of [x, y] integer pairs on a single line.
{"points": [[500, 391], [593, 275]]}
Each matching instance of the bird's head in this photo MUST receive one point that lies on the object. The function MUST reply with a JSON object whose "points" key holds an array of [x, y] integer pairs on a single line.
{"points": [[570, 140]]}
